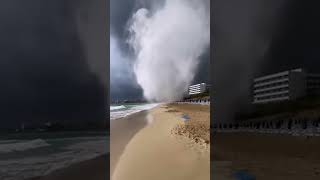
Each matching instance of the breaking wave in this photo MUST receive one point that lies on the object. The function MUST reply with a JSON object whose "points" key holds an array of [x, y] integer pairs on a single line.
{"points": [[22, 146], [112, 108]]}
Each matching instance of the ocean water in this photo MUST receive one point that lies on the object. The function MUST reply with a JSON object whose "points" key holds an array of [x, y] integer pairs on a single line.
{"points": [[40, 154], [123, 110]]}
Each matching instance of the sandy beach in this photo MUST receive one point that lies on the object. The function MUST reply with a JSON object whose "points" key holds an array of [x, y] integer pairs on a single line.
{"points": [[158, 144], [266, 156]]}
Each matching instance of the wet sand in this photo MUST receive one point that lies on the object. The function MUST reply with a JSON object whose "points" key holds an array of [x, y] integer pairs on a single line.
{"points": [[121, 132], [154, 152], [266, 156], [94, 169]]}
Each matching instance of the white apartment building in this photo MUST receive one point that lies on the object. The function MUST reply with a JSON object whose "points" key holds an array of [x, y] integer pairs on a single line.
{"points": [[198, 88], [286, 85]]}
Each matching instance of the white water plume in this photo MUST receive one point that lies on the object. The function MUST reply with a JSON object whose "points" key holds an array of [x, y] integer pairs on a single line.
{"points": [[168, 43]]}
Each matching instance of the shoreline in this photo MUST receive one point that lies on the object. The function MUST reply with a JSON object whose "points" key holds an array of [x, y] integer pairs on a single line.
{"points": [[121, 132]]}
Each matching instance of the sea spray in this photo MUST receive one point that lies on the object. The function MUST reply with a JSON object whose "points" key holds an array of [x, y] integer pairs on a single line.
{"points": [[168, 43]]}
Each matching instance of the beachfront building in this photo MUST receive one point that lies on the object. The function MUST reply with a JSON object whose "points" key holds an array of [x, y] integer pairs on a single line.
{"points": [[198, 88], [286, 85]]}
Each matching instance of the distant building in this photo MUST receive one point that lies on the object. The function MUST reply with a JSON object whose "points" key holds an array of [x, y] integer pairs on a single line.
{"points": [[198, 88], [286, 85]]}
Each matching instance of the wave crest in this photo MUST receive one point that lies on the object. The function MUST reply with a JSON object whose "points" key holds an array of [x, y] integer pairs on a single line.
{"points": [[22, 146], [117, 107]]}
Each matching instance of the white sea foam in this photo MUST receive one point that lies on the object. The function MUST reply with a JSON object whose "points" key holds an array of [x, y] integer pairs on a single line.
{"points": [[22, 146], [112, 108], [131, 110]]}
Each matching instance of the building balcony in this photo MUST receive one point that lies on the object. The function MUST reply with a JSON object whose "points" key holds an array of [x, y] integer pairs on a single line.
{"points": [[273, 82], [271, 94]]}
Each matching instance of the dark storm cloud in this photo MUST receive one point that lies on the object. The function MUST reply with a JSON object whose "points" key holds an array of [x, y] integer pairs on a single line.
{"points": [[203, 71], [122, 82], [253, 38], [45, 65], [92, 27], [122, 10], [122, 79], [296, 41]]}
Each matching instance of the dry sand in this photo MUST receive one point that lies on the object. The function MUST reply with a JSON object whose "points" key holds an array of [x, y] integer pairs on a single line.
{"points": [[156, 152], [197, 129], [266, 156]]}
